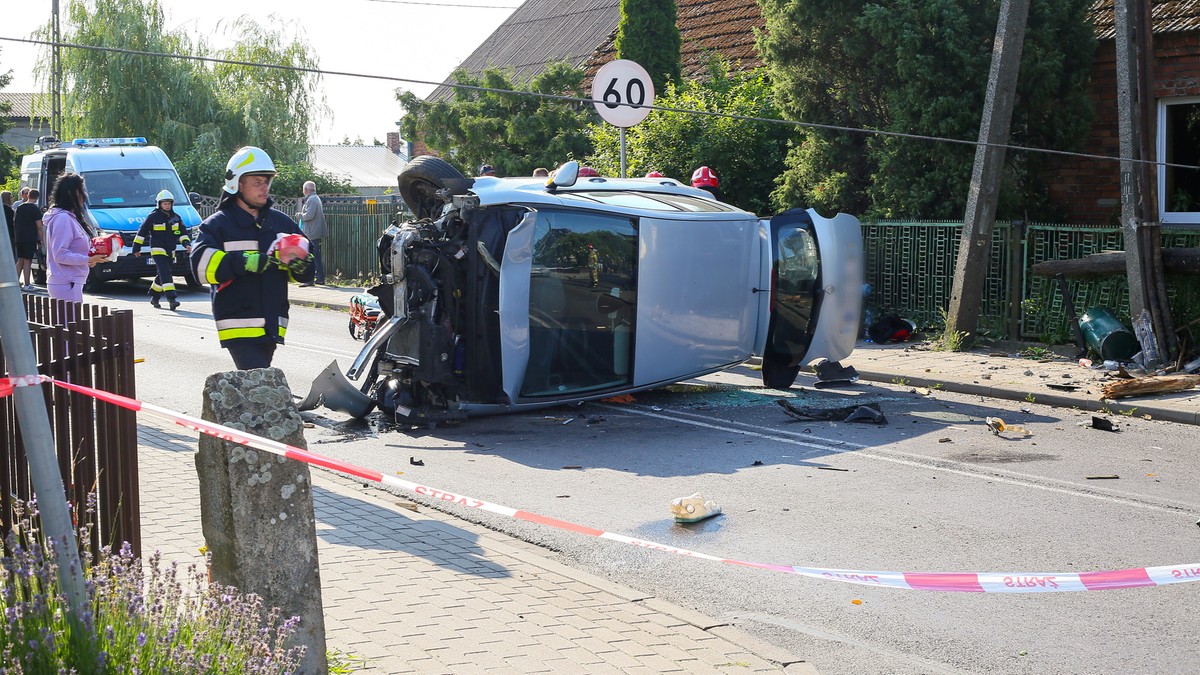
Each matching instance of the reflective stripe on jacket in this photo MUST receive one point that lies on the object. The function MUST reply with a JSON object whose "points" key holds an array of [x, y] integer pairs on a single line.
{"points": [[162, 232]]}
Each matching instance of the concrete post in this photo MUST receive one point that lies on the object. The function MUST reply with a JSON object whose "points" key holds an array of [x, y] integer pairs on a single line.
{"points": [[970, 268], [256, 508], [1129, 116]]}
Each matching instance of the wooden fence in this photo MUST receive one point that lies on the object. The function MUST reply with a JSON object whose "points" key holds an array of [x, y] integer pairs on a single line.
{"points": [[96, 442]]}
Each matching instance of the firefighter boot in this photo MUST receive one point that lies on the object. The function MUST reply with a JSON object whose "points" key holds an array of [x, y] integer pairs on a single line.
{"points": [[154, 301], [173, 302]]}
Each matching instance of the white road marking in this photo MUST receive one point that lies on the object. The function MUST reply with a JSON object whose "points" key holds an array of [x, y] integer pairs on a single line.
{"points": [[837, 446]]}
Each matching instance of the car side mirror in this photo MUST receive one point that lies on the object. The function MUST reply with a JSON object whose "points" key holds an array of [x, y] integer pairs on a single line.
{"points": [[193, 197], [565, 176]]}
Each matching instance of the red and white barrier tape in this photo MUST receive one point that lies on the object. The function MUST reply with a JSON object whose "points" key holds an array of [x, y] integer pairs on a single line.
{"points": [[978, 582]]}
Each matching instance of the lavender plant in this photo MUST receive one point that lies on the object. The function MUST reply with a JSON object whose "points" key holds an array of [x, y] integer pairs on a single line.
{"points": [[146, 617]]}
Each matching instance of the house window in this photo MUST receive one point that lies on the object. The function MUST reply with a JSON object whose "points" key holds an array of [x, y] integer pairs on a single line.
{"points": [[1179, 143]]}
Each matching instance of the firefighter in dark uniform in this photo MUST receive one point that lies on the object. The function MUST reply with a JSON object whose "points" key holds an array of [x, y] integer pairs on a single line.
{"points": [[235, 252], [163, 230]]}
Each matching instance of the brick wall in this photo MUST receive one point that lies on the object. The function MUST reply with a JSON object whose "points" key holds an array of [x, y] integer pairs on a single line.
{"points": [[1089, 189]]}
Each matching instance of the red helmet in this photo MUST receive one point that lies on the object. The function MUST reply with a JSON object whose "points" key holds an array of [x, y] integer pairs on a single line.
{"points": [[704, 177], [587, 171], [654, 174]]}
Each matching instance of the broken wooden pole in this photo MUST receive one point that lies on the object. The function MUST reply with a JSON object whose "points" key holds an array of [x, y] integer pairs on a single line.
{"points": [[1175, 261]]}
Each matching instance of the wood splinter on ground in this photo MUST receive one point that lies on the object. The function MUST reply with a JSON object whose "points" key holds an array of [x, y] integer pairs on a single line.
{"points": [[1154, 384]]}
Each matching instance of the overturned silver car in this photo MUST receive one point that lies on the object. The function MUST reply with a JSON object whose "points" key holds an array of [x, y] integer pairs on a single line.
{"points": [[508, 294]]}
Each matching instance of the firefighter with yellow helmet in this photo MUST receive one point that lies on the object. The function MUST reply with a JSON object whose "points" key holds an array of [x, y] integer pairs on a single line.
{"points": [[248, 251], [162, 231]]}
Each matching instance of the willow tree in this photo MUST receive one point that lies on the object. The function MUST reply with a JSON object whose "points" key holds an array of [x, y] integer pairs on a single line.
{"points": [[107, 93], [271, 107], [8, 154], [197, 111]]}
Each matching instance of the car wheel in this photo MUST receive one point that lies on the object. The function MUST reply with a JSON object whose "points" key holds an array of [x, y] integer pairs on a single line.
{"points": [[192, 282], [420, 180], [93, 283], [776, 376]]}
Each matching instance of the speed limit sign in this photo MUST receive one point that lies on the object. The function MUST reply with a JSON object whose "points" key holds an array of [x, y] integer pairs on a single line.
{"points": [[622, 93]]}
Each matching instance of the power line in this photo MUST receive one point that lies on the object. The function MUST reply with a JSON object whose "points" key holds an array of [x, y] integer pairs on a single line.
{"points": [[587, 101]]}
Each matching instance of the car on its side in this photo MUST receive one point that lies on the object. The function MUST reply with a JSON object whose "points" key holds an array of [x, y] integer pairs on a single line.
{"points": [[508, 294]]}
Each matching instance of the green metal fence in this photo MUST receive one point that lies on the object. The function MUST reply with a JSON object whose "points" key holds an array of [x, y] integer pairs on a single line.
{"points": [[910, 266]]}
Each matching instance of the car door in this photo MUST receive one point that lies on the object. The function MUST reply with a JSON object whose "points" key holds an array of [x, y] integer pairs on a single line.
{"points": [[815, 292]]}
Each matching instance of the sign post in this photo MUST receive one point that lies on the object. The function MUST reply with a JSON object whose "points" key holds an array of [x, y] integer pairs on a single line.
{"points": [[622, 93]]}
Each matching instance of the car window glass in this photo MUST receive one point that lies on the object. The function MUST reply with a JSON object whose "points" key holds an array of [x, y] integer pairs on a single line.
{"points": [[132, 187], [696, 204], [582, 301], [794, 279]]}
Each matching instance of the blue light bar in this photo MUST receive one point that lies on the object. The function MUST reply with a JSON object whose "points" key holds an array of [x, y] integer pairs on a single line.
{"points": [[107, 142]]}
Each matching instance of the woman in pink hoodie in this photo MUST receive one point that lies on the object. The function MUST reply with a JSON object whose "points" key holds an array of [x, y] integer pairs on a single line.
{"points": [[68, 239]]}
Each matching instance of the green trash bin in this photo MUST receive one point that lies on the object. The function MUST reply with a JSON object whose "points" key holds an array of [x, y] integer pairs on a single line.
{"points": [[1107, 336]]}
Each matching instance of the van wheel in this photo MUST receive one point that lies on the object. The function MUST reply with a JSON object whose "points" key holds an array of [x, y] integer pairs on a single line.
{"points": [[420, 180], [93, 283], [192, 282], [776, 376]]}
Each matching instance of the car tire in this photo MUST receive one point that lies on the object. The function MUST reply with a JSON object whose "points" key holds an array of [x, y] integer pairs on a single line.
{"points": [[193, 284], [93, 283], [420, 180], [776, 376]]}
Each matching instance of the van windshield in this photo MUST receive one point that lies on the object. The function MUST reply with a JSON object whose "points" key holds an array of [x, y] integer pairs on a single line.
{"points": [[131, 187]]}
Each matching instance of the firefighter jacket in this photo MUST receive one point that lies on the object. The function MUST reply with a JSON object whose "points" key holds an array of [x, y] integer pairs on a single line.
{"points": [[161, 231], [247, 306]]}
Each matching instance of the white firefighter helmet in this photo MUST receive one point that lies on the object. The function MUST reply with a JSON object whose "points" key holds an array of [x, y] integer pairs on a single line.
{"points": [[247, 161], [164, 196]]}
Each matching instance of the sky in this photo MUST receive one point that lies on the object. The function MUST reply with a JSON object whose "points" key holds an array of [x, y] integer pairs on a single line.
{"points": [[421, 41]]}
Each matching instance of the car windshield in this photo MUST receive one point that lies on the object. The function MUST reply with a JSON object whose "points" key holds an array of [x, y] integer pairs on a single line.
{"points": [[652, 201], [132, 187]]}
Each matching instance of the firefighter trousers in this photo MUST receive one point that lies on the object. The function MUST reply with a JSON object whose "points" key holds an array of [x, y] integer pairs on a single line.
{"points": [[163, 281]]}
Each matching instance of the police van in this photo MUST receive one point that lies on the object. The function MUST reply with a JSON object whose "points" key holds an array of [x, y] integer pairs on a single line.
{"points": [[123, 177]]}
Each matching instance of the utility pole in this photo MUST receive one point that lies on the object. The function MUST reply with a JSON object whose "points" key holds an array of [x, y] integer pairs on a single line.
{"points": [[34, 423], [1139, 210], [55, 76], [971, 266]]}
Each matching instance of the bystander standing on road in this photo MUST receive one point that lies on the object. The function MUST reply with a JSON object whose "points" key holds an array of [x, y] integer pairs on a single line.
{"points": [[28, 236], [238, 252], [163, 231], [68, 239], [312, 221]]}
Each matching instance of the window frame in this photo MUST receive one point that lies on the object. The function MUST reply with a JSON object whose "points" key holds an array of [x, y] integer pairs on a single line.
{"points": [[1166, 217]]}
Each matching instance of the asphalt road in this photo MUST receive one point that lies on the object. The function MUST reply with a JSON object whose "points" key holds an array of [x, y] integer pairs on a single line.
{"points": [[933, 490]]}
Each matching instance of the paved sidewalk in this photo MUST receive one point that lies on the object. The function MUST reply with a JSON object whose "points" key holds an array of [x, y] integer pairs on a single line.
{"points": [[423, 592], [997, 373]]}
